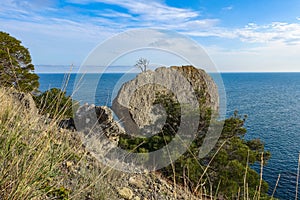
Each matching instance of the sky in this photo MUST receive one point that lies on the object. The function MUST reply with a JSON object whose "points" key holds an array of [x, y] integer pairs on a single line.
{"points": [[238, 36]]}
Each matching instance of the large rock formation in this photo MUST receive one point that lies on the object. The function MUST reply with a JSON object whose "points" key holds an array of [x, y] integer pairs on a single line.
{"points": [[135, 103]]}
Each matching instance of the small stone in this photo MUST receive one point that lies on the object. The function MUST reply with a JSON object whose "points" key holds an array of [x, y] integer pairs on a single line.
{"points": [[125, 193], [136, 198], [69, 164], [136, 182]]}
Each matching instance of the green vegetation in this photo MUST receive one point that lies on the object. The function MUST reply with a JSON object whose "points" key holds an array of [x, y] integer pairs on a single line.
{"points": [[55, 102], [225, 172], [15, 65]]}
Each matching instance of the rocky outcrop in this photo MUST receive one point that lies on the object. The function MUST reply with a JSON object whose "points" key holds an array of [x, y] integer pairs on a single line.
{"points": [[99, 120], [135, 102]]}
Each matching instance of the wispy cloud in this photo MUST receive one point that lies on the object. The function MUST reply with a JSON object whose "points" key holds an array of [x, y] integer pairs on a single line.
{"points": [[274, 57], [227, 8], [275, 32], [77, 26], [287, 33], [149, 10], [140, 14], [114, 14]]}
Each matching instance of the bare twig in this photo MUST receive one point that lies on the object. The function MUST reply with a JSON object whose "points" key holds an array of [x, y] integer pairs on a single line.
{"points": [[142, 64]]}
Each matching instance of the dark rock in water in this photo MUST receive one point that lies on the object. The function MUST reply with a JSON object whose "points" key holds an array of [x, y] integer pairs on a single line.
{"points": [[135, 103]]}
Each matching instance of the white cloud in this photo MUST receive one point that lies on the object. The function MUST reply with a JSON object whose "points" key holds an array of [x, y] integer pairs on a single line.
{"points": [[59, 41], [287, 33], [150, 10], [195, 25], [25, 5], [274, 32], [274, 57], [114, 14], [227, 8], [211, 32]]}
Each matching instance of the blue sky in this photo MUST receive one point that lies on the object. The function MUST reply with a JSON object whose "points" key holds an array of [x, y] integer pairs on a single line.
{"points": [[261, 35]]}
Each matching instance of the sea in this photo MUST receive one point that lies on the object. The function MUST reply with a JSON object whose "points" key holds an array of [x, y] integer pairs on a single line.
{"points": [[270, 100]]}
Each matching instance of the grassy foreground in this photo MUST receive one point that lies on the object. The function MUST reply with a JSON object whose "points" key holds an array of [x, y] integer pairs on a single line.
{"points": [[39, 161]]}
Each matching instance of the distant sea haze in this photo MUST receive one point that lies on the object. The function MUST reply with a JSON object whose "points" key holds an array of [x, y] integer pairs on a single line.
{"points": [[62, 69], [271, 101]]}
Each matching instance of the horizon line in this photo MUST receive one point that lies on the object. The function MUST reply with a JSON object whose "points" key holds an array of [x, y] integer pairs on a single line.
{"points": [[224, 72]]}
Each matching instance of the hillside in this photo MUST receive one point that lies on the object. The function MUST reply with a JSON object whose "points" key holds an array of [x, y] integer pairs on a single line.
{"points": [[41, 161]]}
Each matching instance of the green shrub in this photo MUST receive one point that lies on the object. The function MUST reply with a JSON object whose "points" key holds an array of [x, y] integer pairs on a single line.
{"points": [[55, 102]]}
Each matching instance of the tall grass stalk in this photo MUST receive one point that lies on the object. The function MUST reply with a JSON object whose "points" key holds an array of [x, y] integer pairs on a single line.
{"points": [[297, 182], [277, 182]]}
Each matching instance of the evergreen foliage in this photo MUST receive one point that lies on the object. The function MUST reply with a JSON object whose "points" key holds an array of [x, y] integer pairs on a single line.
{"points": [[55, 102], [16, 68], [224, 172]]}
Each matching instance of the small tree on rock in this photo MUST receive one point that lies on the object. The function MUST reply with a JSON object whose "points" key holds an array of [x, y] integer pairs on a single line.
{"points": [[142, 64], [16, 68]]}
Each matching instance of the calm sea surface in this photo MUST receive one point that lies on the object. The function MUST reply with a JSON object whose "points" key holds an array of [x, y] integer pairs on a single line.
{"points": [[271, 101]]}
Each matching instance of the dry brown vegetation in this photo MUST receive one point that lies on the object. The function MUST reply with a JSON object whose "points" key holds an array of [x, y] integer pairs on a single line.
{"points": [[40, 161]]}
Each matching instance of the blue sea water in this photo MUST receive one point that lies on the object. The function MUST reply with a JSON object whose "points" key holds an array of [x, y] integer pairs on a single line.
{"points": [[271, 101]]}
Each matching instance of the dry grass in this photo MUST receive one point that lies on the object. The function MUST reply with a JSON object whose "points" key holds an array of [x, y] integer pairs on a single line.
{"points": [[39, 161]]}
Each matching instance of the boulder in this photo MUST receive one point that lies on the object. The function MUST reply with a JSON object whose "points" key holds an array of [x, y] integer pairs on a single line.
{"points": [[135, 103]]}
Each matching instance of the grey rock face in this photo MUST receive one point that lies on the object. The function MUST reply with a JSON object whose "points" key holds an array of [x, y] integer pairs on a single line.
{"points": [[134, 104], [201, 81], [92, 119]]}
